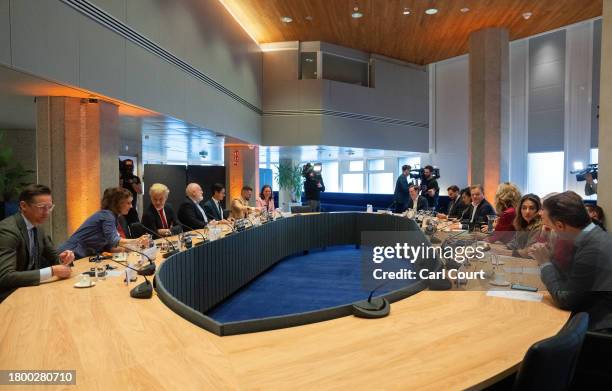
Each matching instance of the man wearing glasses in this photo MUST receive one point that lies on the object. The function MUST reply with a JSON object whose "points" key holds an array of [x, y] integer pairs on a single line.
{"points": [[27, 255]]}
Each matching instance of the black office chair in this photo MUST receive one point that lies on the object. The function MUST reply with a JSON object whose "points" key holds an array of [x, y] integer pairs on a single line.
{"points": [[136, 230], [594, 370], [550, 364]]}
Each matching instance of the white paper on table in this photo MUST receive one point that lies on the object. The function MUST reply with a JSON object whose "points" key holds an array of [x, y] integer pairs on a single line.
{"points": [[523, 270], [516, 295]]}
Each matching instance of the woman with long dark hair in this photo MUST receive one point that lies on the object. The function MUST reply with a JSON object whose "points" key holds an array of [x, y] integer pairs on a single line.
{"points": [[528, 225], [265, 201]]}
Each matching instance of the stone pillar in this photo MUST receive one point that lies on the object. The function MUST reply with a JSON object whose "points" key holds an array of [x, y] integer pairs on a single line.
{"points": [[489, 105], [241, 169], [77, 144], [604, 190]]}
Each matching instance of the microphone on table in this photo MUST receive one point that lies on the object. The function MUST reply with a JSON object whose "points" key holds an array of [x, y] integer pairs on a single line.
{"points": [[198, 232], [376, 308], [167, 254], [143, 290]]}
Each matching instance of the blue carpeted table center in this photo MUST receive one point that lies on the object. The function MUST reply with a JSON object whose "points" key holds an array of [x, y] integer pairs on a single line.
{"points": [[297, 284]]}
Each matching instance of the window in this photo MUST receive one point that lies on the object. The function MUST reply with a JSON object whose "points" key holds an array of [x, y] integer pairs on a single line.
{"points": [[308, 65], [381, 183], [412, 161], [352, 183], [594, 155], [545, 172], [376, 165], [274, 168], [345, 70], [356, 165], [329, 172]]}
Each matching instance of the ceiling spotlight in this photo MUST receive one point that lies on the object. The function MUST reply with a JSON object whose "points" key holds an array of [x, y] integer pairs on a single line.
{"points": [[286, 19], [309, 18], [527, 15], [406, 11], [464, 10], [431, 11], [356, 14]]}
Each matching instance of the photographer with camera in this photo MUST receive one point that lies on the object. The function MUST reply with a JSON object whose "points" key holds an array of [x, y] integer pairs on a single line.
{"points": [[590, 187], [313, 185], [429, 186], [132, 183]]}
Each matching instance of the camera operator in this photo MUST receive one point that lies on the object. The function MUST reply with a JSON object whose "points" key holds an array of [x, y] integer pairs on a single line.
{"points": [[429, 187], [313, 186], [133, 184], [590, 187]]}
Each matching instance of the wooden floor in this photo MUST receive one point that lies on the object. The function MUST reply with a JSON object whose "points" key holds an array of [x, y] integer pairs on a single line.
{"points": [[431, 341]]}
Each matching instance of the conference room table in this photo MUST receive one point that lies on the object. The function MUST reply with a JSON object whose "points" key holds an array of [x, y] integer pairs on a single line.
{"points": [[433, 340]]}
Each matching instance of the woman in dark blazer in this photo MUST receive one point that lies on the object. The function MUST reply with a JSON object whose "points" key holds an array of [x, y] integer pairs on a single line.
{"points": [[159, 216]]}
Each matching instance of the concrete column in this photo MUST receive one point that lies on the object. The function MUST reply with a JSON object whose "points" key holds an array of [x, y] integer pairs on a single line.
{"points": [[241, 169], [489, 105], [604, 191], [77, 144]]}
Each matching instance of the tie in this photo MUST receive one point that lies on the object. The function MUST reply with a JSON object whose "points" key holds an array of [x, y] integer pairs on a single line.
{"points": [[33, 265], [219, 209], [163, 219]]}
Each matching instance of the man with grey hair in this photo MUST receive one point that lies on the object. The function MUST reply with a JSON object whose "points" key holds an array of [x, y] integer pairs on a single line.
{"points": [[191, 212]]}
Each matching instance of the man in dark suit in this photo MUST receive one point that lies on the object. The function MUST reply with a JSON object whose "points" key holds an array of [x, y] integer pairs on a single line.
{"points": [[191, 213], [416, 202], [586, 286], [400, 195], [27, 255], [213, 207], [455, 205], [476, 213], [159, 216]]}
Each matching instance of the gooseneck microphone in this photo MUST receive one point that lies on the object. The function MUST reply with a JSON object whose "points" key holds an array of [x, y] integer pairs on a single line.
{"points": [[143, 290], [198, 232], [167, 254]]}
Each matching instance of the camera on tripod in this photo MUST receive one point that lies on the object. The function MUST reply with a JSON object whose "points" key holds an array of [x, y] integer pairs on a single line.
{"points": [[590, 169], [309, 167], [419, 173]]}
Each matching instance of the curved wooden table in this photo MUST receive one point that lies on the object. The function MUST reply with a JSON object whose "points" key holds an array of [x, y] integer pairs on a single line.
{"points": [[431, 341]]}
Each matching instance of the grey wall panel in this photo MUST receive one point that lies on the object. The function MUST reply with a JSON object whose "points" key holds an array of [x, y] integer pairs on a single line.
{"points": [[5, 32], [450, 86], [145, 17], [102, 60], [547, 92], [44, 37], [549, 128], [117, 8], [547, 98], [596, 83], [400, 91], [53, 40]]}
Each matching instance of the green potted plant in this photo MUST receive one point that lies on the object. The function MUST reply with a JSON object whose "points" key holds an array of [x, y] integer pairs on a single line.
{"points": [[12, 176], [289, 178]]}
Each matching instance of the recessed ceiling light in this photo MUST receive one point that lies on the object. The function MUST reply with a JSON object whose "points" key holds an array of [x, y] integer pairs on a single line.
{"points": [[464, 10], [286, 19], [356, 14], [527, 15], [406, 11], [431, 11], [309, 18]]}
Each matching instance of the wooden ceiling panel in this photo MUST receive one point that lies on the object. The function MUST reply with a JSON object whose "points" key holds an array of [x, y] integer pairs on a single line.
{"points": [[416, 38]]}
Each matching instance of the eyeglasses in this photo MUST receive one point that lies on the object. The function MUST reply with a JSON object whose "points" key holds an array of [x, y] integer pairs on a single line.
{"points": [[44, 207]]}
